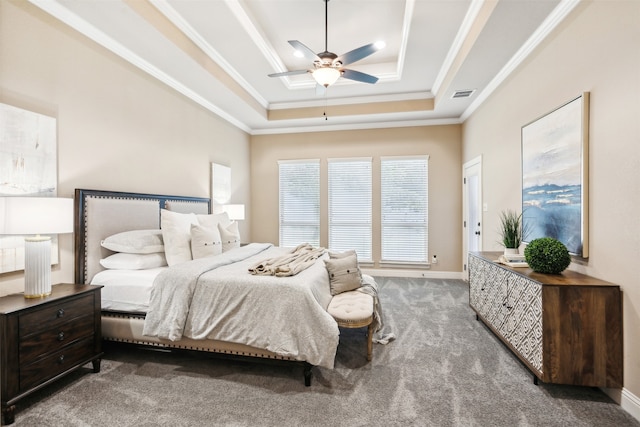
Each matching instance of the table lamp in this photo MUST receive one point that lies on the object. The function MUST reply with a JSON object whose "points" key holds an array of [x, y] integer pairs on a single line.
{"points": [[35, 216]]}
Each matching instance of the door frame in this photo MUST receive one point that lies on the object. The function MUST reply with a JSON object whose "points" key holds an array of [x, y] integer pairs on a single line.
{"points": [[476, 162]]}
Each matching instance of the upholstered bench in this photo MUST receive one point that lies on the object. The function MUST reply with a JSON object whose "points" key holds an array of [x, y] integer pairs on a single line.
{"points": [[354, 309]]}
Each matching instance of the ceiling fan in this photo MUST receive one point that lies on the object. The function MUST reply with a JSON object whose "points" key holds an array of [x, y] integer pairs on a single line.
{"points": [[327, 66]]}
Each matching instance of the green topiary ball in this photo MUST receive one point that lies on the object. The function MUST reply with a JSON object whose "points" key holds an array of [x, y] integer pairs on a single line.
{"points": [[547, 255]]}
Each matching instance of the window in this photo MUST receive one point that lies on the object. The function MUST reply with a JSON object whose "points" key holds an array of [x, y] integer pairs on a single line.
{"points": [[404, 191], [299, 183], [350, 206]]}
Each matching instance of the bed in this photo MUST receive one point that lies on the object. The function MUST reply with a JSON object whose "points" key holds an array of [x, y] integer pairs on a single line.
{"points": [[253, 317]]}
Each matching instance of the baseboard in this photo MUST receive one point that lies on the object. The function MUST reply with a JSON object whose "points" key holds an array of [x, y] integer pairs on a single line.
{"points": [[427, 274], [630, 403], [627, 400]]}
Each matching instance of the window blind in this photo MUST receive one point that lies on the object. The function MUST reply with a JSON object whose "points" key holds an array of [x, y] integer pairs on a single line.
{"points": [[299, 202], [404, 201], [350, 206]]}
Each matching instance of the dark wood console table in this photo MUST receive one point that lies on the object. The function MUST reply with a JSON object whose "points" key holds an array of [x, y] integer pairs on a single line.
{"points": [[566, 328]]}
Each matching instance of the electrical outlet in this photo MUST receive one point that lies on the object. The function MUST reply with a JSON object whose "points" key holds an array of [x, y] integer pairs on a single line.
{"points": [[434, 260]]}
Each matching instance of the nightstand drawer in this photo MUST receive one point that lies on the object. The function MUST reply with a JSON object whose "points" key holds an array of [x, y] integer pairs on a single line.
{"points": [[53, 339], [55, 314], [48, 367]]}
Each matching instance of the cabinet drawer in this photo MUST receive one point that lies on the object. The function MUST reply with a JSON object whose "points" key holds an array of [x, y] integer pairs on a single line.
{"points": [[53, 339], [55, 314], [48, 367]]}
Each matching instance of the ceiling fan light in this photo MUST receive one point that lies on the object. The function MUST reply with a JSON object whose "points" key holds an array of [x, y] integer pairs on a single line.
{"points": [[326, 76]]}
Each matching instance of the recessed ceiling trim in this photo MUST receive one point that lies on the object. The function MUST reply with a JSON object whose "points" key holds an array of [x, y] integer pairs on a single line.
{"points": [[60, 12], [354, 100], [359, 126], [258, 38], [463, 32], [176, 19], [406, 30], [548, 25]]}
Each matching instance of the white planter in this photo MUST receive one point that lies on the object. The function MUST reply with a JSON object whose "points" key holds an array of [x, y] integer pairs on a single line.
{"points": [[511, 251]]}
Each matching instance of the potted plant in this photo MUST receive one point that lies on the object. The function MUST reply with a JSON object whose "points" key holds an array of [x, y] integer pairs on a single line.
{"points": [[547, 255], [510, 231]]}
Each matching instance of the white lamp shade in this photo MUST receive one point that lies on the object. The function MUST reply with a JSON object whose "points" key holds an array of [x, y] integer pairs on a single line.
{"points": [[36, 215], [326, 75], [235, 212]]}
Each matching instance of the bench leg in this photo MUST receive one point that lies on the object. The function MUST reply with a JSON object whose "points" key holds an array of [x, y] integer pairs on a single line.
{"points": [[370, 341]]}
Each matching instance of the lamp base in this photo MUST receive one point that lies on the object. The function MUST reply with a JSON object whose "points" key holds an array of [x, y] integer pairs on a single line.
{"points": [[37, 296], [37, 266]]}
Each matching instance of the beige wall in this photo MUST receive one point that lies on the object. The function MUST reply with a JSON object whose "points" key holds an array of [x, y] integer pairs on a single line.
{"points": [[118, 128], [441, 143], [595, 50]]}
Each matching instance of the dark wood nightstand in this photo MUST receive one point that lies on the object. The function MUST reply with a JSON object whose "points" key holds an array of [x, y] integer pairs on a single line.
{"points": [[46, 338]]}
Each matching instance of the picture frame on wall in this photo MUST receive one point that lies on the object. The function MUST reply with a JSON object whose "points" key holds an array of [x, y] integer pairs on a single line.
{"points": [[220, 184], [555, 149], [28, 168]]}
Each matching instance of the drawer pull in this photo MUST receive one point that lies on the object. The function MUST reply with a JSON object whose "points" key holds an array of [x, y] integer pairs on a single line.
{"points": [[61, 336], [60, 312], [61, 358]]}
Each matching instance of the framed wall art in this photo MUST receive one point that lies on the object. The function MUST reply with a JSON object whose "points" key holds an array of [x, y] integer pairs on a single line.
{"points": [[220, 184], [555, 176], [28, 168]]}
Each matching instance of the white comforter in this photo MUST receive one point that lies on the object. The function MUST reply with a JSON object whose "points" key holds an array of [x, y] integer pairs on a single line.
{"points": [[217, 298]]}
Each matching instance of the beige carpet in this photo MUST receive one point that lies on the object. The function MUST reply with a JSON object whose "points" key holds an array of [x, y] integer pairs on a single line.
{"points": [[444, 369]]}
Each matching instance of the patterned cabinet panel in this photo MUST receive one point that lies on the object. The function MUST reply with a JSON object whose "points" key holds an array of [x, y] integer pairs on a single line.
{"points": [[523, 325], [487, 291]]}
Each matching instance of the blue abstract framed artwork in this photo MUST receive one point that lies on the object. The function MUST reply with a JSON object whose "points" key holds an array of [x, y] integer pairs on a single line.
{"points": [[555, 176]]}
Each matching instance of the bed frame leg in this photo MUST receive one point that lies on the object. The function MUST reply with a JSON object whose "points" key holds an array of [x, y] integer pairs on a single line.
{"points": [[307, 374]]}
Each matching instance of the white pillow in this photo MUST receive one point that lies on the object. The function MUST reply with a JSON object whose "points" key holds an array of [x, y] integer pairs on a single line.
{"points": [[230, 236], [205, 241], [176, 233], [135, 242], [212, 220], [123, 261]]}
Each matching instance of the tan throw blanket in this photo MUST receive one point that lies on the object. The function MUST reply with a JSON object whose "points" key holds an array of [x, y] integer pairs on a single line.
{"points": [[290, 264]]}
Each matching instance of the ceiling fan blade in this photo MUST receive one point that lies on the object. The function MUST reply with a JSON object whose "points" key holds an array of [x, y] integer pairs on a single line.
{"points": [[289, 73], [357, 54], [308, 53], [358, 76]]}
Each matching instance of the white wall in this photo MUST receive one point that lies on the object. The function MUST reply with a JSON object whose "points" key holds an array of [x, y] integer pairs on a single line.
{"points": [[118, 128], [595, 50]]}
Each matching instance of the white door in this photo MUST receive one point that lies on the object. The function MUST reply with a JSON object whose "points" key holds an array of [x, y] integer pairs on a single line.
{"points": [[472, 210]]}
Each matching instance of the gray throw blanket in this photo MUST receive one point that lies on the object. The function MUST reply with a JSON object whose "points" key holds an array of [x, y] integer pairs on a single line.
{"points": [[290, 264], [217, 298], [370, 287]]}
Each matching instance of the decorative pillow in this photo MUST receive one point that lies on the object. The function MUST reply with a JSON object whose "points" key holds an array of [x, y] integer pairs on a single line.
{"points": [[230, 236], [124, 261], [336, 255], [135, 242], [176, 233], [212, 221], [344, 274], [205, 241]]}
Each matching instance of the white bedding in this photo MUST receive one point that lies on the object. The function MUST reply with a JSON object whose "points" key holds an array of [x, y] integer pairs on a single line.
{"points": [[126, 290], [217, 298]]}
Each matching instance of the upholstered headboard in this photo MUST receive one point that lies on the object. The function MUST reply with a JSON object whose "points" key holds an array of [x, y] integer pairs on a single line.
{"points": [[100, 214]]}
